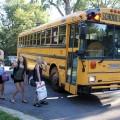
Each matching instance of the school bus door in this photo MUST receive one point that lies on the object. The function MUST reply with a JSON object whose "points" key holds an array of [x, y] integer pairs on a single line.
{"points": [[72, 60]]}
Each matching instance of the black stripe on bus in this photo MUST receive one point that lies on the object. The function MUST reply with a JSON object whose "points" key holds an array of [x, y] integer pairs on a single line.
{"points": [[62, 67], [45, 55], [44, 46]]}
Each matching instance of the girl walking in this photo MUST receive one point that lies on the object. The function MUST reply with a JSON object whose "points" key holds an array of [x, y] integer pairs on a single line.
{"points": [[19, 75]]}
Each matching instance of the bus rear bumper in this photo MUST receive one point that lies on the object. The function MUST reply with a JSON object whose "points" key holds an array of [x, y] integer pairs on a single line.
{"points": [[97, 88]]}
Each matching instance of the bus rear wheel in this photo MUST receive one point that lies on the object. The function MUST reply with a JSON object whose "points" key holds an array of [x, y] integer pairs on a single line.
{"points": [[54, 79]]}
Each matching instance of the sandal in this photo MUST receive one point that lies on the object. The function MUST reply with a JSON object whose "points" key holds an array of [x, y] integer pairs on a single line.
{"points": [[24, 101], [2, 98], [37, 105], [12, 101]]}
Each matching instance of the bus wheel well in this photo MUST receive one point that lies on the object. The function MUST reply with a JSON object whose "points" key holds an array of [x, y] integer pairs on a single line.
{"points": [[54, 78], [51, 67]]}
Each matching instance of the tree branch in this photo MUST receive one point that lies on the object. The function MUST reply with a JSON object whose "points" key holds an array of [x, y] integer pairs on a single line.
{"points": [[114, 2], [98, 4], [75, 6], [108, 2], [93, 3], [55, 5]]}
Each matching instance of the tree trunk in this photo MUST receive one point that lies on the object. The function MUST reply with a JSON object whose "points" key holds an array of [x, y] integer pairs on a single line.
{"points": [[67, 7]]}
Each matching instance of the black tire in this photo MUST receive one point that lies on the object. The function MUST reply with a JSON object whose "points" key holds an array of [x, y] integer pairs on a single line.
{"points": [[54, 79]]}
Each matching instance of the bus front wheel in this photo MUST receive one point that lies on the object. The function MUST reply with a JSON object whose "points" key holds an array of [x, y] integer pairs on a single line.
{"points": [[54, 79]]}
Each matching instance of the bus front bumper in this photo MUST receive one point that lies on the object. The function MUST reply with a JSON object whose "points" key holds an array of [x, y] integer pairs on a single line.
{"points": [[98, 88]]}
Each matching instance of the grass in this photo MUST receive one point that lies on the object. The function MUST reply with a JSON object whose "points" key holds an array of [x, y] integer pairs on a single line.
{"points": [[6, 116]]}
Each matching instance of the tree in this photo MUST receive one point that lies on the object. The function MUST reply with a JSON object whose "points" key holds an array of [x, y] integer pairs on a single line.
{"points": [[19, 17], [105, 3], [75, 5]]}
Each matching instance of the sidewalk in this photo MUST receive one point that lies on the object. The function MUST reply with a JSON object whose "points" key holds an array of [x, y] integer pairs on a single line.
{"points": [[18, 114]]}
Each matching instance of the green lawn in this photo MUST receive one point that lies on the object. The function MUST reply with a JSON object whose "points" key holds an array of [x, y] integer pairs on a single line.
{"points": [[5, 116]]}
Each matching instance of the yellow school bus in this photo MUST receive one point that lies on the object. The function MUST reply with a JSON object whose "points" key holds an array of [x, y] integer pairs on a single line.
{"points": [[82, 50]]}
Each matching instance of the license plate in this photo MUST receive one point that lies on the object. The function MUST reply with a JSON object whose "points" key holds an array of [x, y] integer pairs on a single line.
{"points": [[114, 66], [113, 87]]}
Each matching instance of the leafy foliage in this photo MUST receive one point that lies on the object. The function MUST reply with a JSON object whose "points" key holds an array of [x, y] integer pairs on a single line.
{"points": [[75, 5], [19, 17]]}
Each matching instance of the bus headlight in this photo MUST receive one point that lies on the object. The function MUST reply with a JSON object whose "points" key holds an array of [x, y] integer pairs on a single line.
{"points": [[92, 79]]}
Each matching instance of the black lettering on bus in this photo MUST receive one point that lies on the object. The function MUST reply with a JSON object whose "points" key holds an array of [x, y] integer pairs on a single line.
{"points": [[103, 16], [106, 17], [111, 17]]}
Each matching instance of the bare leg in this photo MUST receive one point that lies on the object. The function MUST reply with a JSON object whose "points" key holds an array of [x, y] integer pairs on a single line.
{"points": [[16, 91], [23, 91], [36, 104], [2, 90], [36, 100]]}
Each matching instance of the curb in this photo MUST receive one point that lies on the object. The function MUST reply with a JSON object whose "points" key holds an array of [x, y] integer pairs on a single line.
{"points": [[18, 114]]}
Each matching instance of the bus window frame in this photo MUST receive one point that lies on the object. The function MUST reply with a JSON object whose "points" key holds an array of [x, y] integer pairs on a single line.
{"points": [[62, 34], [57, 36], [48, 36], [31, 39], [75, 35], [34, 39], [28, 39], [25, 40], [43, 38], [19, 41], [38, 36]]}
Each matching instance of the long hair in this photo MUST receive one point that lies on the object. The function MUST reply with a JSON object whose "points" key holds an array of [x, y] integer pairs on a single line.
{"points": [[24, 63]]}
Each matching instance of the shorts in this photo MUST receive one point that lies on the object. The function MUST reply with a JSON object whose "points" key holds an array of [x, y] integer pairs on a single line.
{"points": [[18, 81], [1, 79]]}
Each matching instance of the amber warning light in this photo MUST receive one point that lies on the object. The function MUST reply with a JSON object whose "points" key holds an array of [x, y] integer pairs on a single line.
{"points": [[93, 16], [97, 17]]}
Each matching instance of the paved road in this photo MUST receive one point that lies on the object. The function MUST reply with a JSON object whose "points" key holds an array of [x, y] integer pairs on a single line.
{"points": [[64, 106]]}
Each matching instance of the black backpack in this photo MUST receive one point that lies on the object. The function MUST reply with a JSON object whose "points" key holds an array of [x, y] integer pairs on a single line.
{"points": [[31, 78]]}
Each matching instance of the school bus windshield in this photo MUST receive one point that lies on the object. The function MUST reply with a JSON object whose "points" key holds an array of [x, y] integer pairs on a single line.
{"points": [[102, 40]]}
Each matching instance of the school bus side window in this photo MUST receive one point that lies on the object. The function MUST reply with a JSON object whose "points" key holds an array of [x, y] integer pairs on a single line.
{"points": [[48, 35], [34, 39], [55, 35], [26, 40], [74, 35], [62, 34], [38, 38], [19, 42], [23, 41], [31, 37], [43, 38]]}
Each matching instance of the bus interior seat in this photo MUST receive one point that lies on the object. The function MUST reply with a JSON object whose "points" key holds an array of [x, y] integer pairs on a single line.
{"points": [[95, 49]]}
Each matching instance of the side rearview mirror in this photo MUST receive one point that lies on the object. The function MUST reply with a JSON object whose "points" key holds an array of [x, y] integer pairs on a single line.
{"points": [[82, 30]]}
